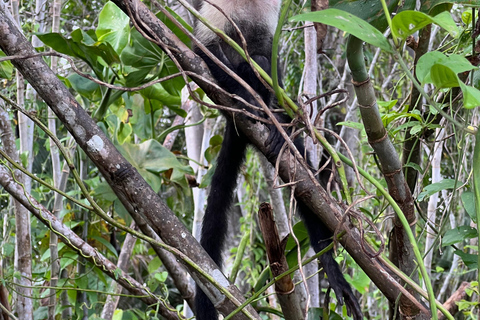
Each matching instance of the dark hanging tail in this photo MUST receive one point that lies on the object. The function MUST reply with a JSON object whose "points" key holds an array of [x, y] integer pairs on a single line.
{"points": [[215, 221]]}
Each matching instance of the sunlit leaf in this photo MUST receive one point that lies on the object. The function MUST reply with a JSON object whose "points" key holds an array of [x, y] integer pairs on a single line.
{"points": [[349, 23]]}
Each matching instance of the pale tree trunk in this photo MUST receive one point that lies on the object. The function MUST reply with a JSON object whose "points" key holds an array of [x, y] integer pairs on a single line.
{"points": [[310, 89], [40, 12], [310, 75], [23, 246], [59, 177], [433, 201], [197, 139]]}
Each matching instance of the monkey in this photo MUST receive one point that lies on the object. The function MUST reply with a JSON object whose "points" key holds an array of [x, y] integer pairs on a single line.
{"points": [[257, 21]]}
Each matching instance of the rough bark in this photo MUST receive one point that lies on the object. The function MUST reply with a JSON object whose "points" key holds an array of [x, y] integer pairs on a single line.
{"points": [[284, 287]]}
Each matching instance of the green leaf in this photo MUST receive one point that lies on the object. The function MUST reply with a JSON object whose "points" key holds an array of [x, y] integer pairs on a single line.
{"points": [[215, 144], [124, 132], [470, 260], [476, 79], [107, 244], [349, 23], [85, 87], [371, 11], [456, 63], [351, 124], [436, 187], [468, 202], [150, 158], [161, 276], [404, 126], [315, 313], [416, 129], [441, 70], [24, 158], [387, 105], [414, 166], [466, 17], [158, 92], [207, 177], [443, 77], [436, 5], [292, 249], [147, 58], [458, 234], [425, 63], [57, 42], [408, 22], [173, 26], [361, 281], [445, 21], [471, 96], [67, 258], [113, 27], [117, 314], [154, 265], [45, 256], [6, 68], [98, 55]]}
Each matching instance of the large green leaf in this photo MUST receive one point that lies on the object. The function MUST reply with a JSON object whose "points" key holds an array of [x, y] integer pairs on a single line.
{"points": [[470, 260], [442, 70], [443, 77], [81, 45], [106, 243], [150, 158], [113, 26], [158, 92], [437, 187], [454, 62], [429, 6], [85, 87], [468, 202], [458, 234], [349, 23], [146, 59], [408, 22], [371, 11], [471, 96]]}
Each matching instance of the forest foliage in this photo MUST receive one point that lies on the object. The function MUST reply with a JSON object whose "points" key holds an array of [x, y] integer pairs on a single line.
{"points": [[422, 65]]}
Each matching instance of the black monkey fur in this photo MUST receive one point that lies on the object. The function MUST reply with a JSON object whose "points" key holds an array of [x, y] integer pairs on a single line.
{"points": [[257, 20]]}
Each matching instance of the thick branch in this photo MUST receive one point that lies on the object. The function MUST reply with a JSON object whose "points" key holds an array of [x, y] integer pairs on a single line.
{"points": [[284, 287]]}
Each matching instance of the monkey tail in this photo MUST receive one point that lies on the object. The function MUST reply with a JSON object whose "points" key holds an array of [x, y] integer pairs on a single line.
{"points": [[215, 222]]}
